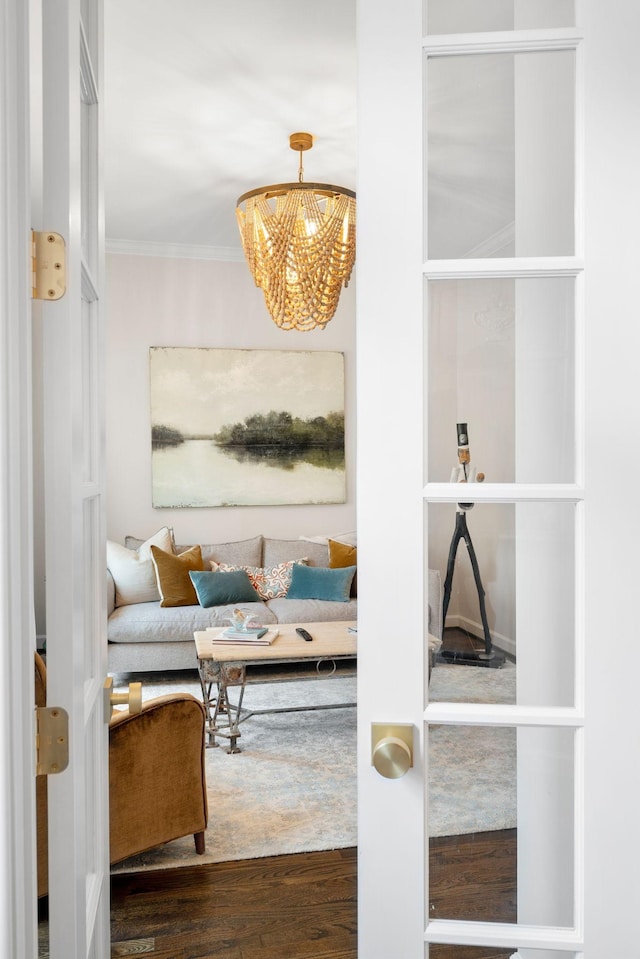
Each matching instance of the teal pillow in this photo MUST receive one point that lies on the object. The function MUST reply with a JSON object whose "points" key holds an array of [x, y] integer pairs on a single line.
{"points": [[319, 582], [220, 589]]}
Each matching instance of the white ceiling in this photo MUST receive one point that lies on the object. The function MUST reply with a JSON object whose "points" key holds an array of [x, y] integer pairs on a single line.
{"points": [[200, 99]]}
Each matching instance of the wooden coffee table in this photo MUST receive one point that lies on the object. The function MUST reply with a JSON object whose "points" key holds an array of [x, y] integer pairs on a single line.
{"points": [[222, 666]]}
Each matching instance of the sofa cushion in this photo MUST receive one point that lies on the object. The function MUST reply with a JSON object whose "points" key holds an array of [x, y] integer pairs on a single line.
{"points": [[132, 568], [220, 589], [312, 611], [341, 555], [269, 582], [280, 550], [148, 623], [333, 585], [172, 574], [243, 552]]}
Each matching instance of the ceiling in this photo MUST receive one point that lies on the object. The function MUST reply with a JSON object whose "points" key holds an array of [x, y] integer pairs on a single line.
{"points": [[200, 99]]}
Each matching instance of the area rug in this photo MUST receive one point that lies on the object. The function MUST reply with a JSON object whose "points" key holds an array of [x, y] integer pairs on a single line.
{"points": [[293, 787], [472, 769]]}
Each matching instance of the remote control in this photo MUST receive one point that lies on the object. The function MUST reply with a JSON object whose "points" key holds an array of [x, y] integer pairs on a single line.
{"points": [[308, 638]]}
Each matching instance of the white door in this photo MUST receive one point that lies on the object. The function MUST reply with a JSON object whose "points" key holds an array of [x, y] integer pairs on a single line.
{"points": [[74, 478], [17, 632], [496, 285]]}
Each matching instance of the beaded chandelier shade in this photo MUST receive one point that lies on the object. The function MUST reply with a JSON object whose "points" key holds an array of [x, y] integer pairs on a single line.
{"points": [[300, 243]]}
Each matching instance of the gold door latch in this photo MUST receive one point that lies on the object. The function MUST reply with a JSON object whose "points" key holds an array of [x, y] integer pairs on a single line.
{"points": [[48, 266], [52, 740], [131, 698], [392, 749]]}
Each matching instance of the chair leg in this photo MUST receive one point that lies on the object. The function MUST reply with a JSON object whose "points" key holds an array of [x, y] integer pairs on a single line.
{"points": [[199, 841]]}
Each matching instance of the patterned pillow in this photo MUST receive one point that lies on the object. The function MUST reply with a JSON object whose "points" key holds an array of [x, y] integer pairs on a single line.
{"points": [[269, 582]]}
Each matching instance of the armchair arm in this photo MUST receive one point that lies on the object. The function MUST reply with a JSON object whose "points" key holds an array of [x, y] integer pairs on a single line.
{"points": [[157, 785]]}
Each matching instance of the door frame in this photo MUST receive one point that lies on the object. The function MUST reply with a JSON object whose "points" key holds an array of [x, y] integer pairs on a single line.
{"points": [[18, 927], [74, 477]]}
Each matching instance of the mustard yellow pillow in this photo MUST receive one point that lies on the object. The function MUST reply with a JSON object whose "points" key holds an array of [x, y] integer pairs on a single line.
{"points": [[342, 555], [172, 575]]}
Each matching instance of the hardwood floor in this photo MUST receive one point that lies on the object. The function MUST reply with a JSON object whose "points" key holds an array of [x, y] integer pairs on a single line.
{"points": [[301, 906], [473, 878], [283, 907]]}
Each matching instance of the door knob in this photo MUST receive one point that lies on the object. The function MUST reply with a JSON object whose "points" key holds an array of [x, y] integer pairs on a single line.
{"points": [[131, 698], [392, 748]]}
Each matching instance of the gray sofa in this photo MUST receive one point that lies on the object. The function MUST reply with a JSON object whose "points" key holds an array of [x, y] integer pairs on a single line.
{"points": [[144, 636]]}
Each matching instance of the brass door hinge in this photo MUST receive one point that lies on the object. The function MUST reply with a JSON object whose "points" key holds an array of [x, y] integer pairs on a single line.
{"points": [[48, 266], [52, 740]]}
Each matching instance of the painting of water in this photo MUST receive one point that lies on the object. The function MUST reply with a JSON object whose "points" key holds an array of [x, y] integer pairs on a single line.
{"points": [[246, 427]]}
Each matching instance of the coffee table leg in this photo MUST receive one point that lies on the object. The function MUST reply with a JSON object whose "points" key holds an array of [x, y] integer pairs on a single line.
{"points": [[205, 687], [223, 675], [231, 674]]}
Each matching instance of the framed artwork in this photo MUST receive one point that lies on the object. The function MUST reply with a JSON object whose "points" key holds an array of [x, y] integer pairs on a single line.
{"points": [[246, 427]]}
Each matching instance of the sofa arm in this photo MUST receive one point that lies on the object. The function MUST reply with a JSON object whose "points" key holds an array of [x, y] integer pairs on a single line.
{"points": [[434, 599], [157, 785], [111, 593]]}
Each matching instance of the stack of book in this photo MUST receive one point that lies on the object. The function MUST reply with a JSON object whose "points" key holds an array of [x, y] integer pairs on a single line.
{"points": [[257, 636]]}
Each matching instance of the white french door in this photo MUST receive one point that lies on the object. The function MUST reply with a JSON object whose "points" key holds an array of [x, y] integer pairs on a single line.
{"points": [[74, 478], [17, 631], [498, 206]]}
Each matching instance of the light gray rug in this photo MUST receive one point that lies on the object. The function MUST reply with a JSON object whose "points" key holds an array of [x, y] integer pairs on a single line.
{"points": [[472, 769], [293, 787]]}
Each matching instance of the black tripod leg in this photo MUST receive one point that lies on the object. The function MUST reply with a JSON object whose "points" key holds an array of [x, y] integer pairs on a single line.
{"points": [[488, 643], [453, 548]]}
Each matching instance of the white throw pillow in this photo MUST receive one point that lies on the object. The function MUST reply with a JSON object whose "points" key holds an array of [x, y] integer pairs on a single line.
{"points": [[350, 538], [133, 570]]}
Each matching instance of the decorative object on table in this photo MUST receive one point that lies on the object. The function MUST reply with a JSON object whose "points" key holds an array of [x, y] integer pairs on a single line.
{"points": [[246, 427], [300, 243], [244, 622], [465, 473]]}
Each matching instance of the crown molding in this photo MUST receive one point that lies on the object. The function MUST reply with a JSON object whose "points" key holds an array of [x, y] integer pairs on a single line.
{"points": [[228, 254]]}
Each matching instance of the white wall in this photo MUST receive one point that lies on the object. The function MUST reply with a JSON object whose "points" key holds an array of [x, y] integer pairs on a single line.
{"points": [[471, 379], [157, 301]]}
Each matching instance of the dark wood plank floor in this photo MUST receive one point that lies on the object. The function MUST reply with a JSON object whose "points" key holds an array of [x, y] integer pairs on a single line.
{"points": [[283, 907], [301, 906]]}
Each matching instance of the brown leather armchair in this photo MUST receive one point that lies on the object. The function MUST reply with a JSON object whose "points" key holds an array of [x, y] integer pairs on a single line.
{"points": [[157, 785]]}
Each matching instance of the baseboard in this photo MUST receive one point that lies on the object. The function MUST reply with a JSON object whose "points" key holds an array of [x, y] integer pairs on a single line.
{"points": [[505, 643]]}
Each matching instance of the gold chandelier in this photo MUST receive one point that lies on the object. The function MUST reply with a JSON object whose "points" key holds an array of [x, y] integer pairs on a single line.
{"points": [[300, 243]]}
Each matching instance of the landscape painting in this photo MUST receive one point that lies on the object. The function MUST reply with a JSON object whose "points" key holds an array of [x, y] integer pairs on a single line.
{"points": [[246, 427]]}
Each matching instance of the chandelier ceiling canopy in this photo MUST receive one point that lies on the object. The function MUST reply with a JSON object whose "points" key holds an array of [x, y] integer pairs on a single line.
{"points": [[300, 243]]}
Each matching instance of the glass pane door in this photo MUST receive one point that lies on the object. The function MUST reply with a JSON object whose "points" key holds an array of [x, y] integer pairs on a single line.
{"points": [[503, 509]]}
